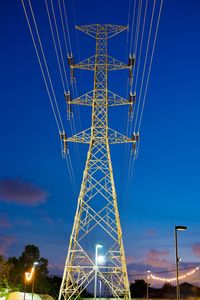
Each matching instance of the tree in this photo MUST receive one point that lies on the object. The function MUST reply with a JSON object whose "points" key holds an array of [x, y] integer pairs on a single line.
{"points": [[30, 254], [24, 264], [55, 283], [167, 289], [5, 268], [167, 286], [138, 289]]}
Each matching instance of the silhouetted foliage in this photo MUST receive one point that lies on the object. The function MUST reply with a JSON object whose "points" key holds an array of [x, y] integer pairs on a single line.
{"points": [[5, 270], [167, 287], [55, 282], [138, 289], [24, 264]]}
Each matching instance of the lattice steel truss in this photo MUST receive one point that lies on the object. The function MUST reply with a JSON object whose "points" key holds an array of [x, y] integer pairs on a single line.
{"points": [[97, 208]]}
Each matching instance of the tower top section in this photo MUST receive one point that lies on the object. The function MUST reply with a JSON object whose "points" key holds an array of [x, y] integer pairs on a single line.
{"points": [[95, 29]]}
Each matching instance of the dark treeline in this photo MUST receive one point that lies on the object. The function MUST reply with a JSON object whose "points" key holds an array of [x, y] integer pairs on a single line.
{"points": [[139, 290]]}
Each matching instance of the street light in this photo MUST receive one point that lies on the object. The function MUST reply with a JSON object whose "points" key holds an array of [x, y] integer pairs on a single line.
{"points": [[33, 282], [148, 284], [181, 228], [100, 285], [100, 259], [29, 276]]}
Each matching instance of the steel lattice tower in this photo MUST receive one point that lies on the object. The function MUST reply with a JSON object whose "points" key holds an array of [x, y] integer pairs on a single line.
{"points": [[97, 208]]}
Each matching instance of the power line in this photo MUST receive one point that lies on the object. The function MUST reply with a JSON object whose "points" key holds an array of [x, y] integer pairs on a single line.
{"points": [[63, 27], [72, 124], [59, 43], [152, 54], [40, 43], [55, 108], [41, 67], [132, 158], [138, 26], [55, 46], [65, 14], [133, 22], [140, 84], [145, 62], [141, 43]]}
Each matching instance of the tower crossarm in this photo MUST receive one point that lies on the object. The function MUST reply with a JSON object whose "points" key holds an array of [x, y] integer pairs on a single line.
{"points": [[111, 30], [113, 99], [103, 60], [81, 137], [114, 137]]}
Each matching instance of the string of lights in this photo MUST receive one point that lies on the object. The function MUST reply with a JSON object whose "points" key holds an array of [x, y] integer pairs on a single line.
{"points": [[174, 278], [162, 272]]}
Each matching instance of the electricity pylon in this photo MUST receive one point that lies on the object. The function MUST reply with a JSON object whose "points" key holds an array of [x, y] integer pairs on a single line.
{"points": [[97, 210]]}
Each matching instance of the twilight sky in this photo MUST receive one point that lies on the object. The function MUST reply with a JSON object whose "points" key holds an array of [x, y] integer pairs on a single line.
{"points": [[37, 202]]}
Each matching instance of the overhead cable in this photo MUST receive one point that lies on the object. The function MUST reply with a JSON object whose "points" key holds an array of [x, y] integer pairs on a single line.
{"points": [[151, 59], [145, 62], [41, 67], [43, 55]]}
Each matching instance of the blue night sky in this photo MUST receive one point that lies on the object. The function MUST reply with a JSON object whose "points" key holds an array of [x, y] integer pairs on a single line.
{"points": [[37, 201]]}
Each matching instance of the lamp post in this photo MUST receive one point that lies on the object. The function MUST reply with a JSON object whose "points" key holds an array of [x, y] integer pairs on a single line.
{"points": [[100, 285], [33, 281], [97, 246], [29, 276], [181, 228], [148, 284], [25, 278]]}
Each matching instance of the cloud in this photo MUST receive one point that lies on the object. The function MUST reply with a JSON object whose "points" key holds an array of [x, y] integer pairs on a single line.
{"points": [[21, 192], [5, 243], [154, 260], [154, 254], [196, 249], [129, 260], [157, 258], [4, 222]]}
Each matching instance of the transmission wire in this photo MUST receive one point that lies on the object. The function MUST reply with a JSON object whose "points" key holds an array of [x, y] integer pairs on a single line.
{"points": [[132, 167], [135, 46], [65, 14], [154, 43], [147, 82], [140, 93], [138, 26], [38, 35], [145, 62], [133, 21], [55, 47], [43, 74], [59, 43], [41, 67], [63, 28], [58, 37]]}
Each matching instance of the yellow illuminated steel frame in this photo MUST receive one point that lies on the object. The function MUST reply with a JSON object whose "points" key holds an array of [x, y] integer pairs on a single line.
{"points": [[97, 207]]}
